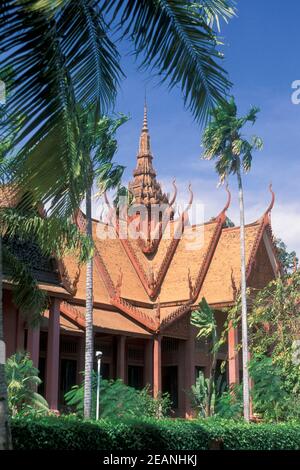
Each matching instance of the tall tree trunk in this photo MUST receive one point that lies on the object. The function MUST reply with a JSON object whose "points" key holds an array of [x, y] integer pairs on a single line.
{"points": [[5, 436], [89, 334], [211, 383], [246, 395]]}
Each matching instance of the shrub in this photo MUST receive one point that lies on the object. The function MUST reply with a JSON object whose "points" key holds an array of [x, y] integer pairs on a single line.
{"points": [[71, 433], [22, 381], [118, 400]]}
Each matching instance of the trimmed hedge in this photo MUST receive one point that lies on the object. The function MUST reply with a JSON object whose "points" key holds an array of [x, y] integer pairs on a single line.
{"points": [[70, 433]]}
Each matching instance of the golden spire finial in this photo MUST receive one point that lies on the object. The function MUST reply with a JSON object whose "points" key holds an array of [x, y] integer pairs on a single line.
{"points": [[145, 121], [144, 147]]}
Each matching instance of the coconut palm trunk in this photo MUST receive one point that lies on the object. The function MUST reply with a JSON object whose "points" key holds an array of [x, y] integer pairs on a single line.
{"points": [[5, 436], [245, 355], [89, 335]]}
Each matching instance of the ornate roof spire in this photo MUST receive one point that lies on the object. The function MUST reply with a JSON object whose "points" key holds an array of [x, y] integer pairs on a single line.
{"points": [[145, 122], [145, 148], [144, 187]]}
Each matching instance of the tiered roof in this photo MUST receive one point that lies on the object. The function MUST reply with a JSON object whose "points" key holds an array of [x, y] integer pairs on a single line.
{"points": [[145, 287], [157, 287]]}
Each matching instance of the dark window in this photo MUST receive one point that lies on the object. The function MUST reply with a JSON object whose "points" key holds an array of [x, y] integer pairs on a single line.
{"points": [[136, 377], [170, 383], [68, 371], [105, 371]]}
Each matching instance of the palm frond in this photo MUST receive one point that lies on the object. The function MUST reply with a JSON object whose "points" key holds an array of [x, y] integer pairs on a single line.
{"points": [[54, 235], [59, 58], [224, 142], [215, 10], [26, 294], [177, 42]]}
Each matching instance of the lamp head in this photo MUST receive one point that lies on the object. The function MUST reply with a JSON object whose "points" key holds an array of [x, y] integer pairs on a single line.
{"points": [[99, 354]]}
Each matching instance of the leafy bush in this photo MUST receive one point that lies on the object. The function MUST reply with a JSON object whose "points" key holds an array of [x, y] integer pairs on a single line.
{"points": [[230, 403], [200, 394], [271, 399], [71, 433], [118, 400], [22, 381]]}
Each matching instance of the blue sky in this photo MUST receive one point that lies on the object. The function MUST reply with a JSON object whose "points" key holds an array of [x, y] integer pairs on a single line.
{"points": [[262, 58]]}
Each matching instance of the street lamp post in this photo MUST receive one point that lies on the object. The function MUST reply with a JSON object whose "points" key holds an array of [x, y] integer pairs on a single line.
{"points": [[98, 357]]}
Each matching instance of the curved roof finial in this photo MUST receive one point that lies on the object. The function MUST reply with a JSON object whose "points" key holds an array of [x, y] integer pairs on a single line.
{"points": [[223, 211], [190, 201], [228, 199], [175, 193], [106, 200], [271, 205]]}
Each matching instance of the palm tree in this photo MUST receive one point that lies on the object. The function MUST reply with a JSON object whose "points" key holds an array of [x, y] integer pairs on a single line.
{"points": [[223, 141], [5, 436], [50, 235], [59, 54], [97, 145]]}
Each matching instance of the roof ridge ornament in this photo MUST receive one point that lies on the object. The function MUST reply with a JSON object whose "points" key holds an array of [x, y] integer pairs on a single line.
{"points": [[175, 193], [271, 205], [222, 214], [189, 205]]}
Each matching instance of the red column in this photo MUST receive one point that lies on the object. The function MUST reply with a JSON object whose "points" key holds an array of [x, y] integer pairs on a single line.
{"points": [[148, 367], [121, 359], [157, 366], [233, 356], [52, 361], [20, 332], [33, 344]]}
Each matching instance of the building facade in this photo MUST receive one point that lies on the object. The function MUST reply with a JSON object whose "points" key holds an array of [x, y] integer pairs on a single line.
{"points": [[145, 288]]}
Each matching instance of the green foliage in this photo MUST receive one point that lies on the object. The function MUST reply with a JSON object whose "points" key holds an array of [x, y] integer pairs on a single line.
{"points": [[63, 49], [224, 142], [204, 392], [118, 400], [31, 300], [65, 53], [288, 260], [51, 234], [200, 394], [271, 398], [274, 323], [224, 403], [204, 320], [47, 235], [70, 433], [180, 44], [22, 381], [229, 404], [269, 395]]}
